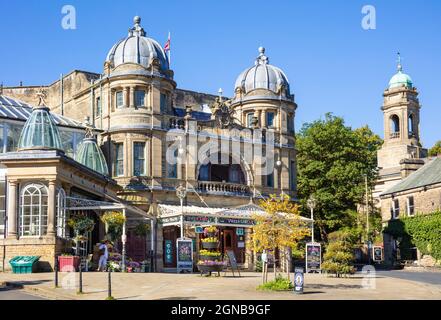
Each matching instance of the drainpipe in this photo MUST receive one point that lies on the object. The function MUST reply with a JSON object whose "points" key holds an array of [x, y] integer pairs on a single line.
{"points": [[62, 94]]}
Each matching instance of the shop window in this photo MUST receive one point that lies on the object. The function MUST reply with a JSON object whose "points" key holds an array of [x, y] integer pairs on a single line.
{"points": [[270, 119], [2, 208], [61, 214], [119, 159], [33, 210], [119, 99], [395, 209], [410, 206], [138, 158], [140, 98]]}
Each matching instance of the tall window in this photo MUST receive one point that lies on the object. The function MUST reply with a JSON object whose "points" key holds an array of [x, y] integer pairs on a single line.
{"points": [[172, 168], [395, 209], [61, 214], [98, 109], [33, 210], [291, 123], [163, 102], [270, 180], [140, 98], [2, 207], [119, 99], [293, 175], [411, 126], [138, 158], [410, 206], [119, 159], [270, 119], [250, 119], [394, 127]]}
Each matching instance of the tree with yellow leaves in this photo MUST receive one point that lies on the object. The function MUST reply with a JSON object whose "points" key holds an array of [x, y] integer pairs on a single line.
{"points": [[280, 227]]}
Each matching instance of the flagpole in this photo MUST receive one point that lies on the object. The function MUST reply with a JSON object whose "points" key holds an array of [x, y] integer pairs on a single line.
{"points": [[169, 51]]}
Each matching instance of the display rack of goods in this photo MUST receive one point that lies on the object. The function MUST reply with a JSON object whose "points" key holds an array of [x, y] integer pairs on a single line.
{"points": [[210, 259]]}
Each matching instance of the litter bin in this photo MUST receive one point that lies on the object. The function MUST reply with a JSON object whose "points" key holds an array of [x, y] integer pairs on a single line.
{"points": [[24, 264]]}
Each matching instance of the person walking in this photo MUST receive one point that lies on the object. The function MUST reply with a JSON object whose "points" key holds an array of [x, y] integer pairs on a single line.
{"points": [[104, 255]]}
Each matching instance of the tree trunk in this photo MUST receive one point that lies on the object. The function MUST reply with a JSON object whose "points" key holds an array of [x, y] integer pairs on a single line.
{"points": [[274, 263]]}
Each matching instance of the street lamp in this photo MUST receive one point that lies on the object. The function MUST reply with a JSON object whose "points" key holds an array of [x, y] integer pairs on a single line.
{"points": [[181, 193], [312, 202]]}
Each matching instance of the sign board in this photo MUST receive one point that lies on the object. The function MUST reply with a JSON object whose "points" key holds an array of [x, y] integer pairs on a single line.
{"points": [[377, 254], [240, 231], [298, 280], [313, 257], [233, 261], [184, 255], [168, 252], [199, 230]]}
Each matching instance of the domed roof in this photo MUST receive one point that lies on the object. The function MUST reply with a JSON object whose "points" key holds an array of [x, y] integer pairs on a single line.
{"points": [[263, 76], [90, 154], [400, 79], [40, 131], [137, 48]]}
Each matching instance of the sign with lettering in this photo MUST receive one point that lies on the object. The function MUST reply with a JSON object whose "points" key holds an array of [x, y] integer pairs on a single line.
{"points": [[184, 254], [199, 230], [233, 262], [313, 257], [298, 280], [245, 222], [377, 254], [168, 252], [200, 219]]}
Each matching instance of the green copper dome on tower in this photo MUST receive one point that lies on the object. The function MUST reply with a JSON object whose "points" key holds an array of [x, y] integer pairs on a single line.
{"points": [[400, 79], [90, 154], [40, 131]]}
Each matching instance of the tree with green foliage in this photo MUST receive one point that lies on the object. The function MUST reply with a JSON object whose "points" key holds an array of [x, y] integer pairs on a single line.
{"points": [[333, 160], [339, 256], [435, 150]]}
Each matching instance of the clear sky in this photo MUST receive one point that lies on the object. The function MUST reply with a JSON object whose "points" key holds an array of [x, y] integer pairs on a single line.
{"points": [[333, 64]]}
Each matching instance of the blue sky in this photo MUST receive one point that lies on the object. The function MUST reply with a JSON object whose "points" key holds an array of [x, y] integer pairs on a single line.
{"points": [[332, 63]]}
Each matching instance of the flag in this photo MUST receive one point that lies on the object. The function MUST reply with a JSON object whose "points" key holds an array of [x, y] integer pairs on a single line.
{"points": [[167, 44]]}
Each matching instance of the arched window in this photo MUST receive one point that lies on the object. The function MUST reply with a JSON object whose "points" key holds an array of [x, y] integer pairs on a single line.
{"points": [[395, 126], [411, 125], [33, 210], [61, 213]]}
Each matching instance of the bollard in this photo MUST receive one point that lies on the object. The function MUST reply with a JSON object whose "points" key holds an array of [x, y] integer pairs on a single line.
{"points": [[80, 290], [56, 271], [109, 285]]}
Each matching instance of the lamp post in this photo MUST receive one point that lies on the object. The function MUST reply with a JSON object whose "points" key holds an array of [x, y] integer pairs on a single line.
{"points": [[312, 202], [181, 193]]}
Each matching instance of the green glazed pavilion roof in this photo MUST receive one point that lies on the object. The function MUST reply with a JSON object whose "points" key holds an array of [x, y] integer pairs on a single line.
{"points": [[90, 155], [40, 131]]}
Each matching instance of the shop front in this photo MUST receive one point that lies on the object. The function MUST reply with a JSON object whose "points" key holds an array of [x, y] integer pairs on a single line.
{"points": [[234, 228]]}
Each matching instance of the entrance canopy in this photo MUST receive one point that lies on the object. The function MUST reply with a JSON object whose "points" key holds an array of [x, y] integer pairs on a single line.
{"points": [[241, 216]]}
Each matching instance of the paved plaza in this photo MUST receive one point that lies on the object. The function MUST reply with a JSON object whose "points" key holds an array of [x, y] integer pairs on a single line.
{"points": [[163, 286]]}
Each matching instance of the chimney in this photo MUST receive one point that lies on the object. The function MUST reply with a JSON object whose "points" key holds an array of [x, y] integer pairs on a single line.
{"points": [[409, 166]]}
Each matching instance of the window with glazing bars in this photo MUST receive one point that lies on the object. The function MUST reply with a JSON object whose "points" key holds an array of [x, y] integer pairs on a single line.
{"points": [[119, 159], [395, 209], [138, 158], [140, 98], [119, 99], [410, 206], [33, 210]]}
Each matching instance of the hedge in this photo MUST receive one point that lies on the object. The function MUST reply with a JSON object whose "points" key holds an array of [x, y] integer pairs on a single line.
{"points": [[421, 231]]}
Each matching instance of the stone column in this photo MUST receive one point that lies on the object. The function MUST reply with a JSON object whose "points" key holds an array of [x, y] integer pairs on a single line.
{"points": [[132, 97], [12, 209], [125, 93], [259, 117], [263, 119], [51, 209]]}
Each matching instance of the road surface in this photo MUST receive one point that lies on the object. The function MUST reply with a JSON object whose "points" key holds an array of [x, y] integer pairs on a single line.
{"points": [[14, 294], [433, 278]]}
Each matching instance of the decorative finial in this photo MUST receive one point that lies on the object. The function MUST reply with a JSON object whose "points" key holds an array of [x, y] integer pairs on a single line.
{"points": [[137, 20], [220, 93], [400, 66], [137, 30], [88, 128], [41, 95], [262, 59]]}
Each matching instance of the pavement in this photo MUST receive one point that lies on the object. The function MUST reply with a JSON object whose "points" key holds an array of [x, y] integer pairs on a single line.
{"points": [[166, 286]]}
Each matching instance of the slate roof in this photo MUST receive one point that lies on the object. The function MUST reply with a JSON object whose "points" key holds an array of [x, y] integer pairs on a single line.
{"points": [[17, 110], [427, 175]]}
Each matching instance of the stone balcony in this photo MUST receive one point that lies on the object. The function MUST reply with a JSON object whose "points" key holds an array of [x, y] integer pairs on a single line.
{"points": [[223, 188]]}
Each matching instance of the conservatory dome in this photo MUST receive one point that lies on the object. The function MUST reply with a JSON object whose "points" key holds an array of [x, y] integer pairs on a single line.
{"points": [[40, 131], [263, 76], [90, 155], [137, 48]]}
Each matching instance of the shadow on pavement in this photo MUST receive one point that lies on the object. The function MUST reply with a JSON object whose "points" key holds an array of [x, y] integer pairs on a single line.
{"points": [[177, 298], [330, 286]]}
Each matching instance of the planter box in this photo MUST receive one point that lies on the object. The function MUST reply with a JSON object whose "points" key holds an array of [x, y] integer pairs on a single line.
{"points": [[210, 269], [210, 245], [68, 263], [209, 258]]}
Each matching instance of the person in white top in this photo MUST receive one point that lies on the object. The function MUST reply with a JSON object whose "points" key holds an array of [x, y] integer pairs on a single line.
{"points": [[104, 255]]}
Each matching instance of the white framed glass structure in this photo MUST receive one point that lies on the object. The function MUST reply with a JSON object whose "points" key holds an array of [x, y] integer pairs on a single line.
{"points": [[33, 212], [61, 214]]}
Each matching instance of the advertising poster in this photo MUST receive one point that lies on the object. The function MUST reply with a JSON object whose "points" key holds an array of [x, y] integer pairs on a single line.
{"points": [[185, 255], [313, 257]]}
